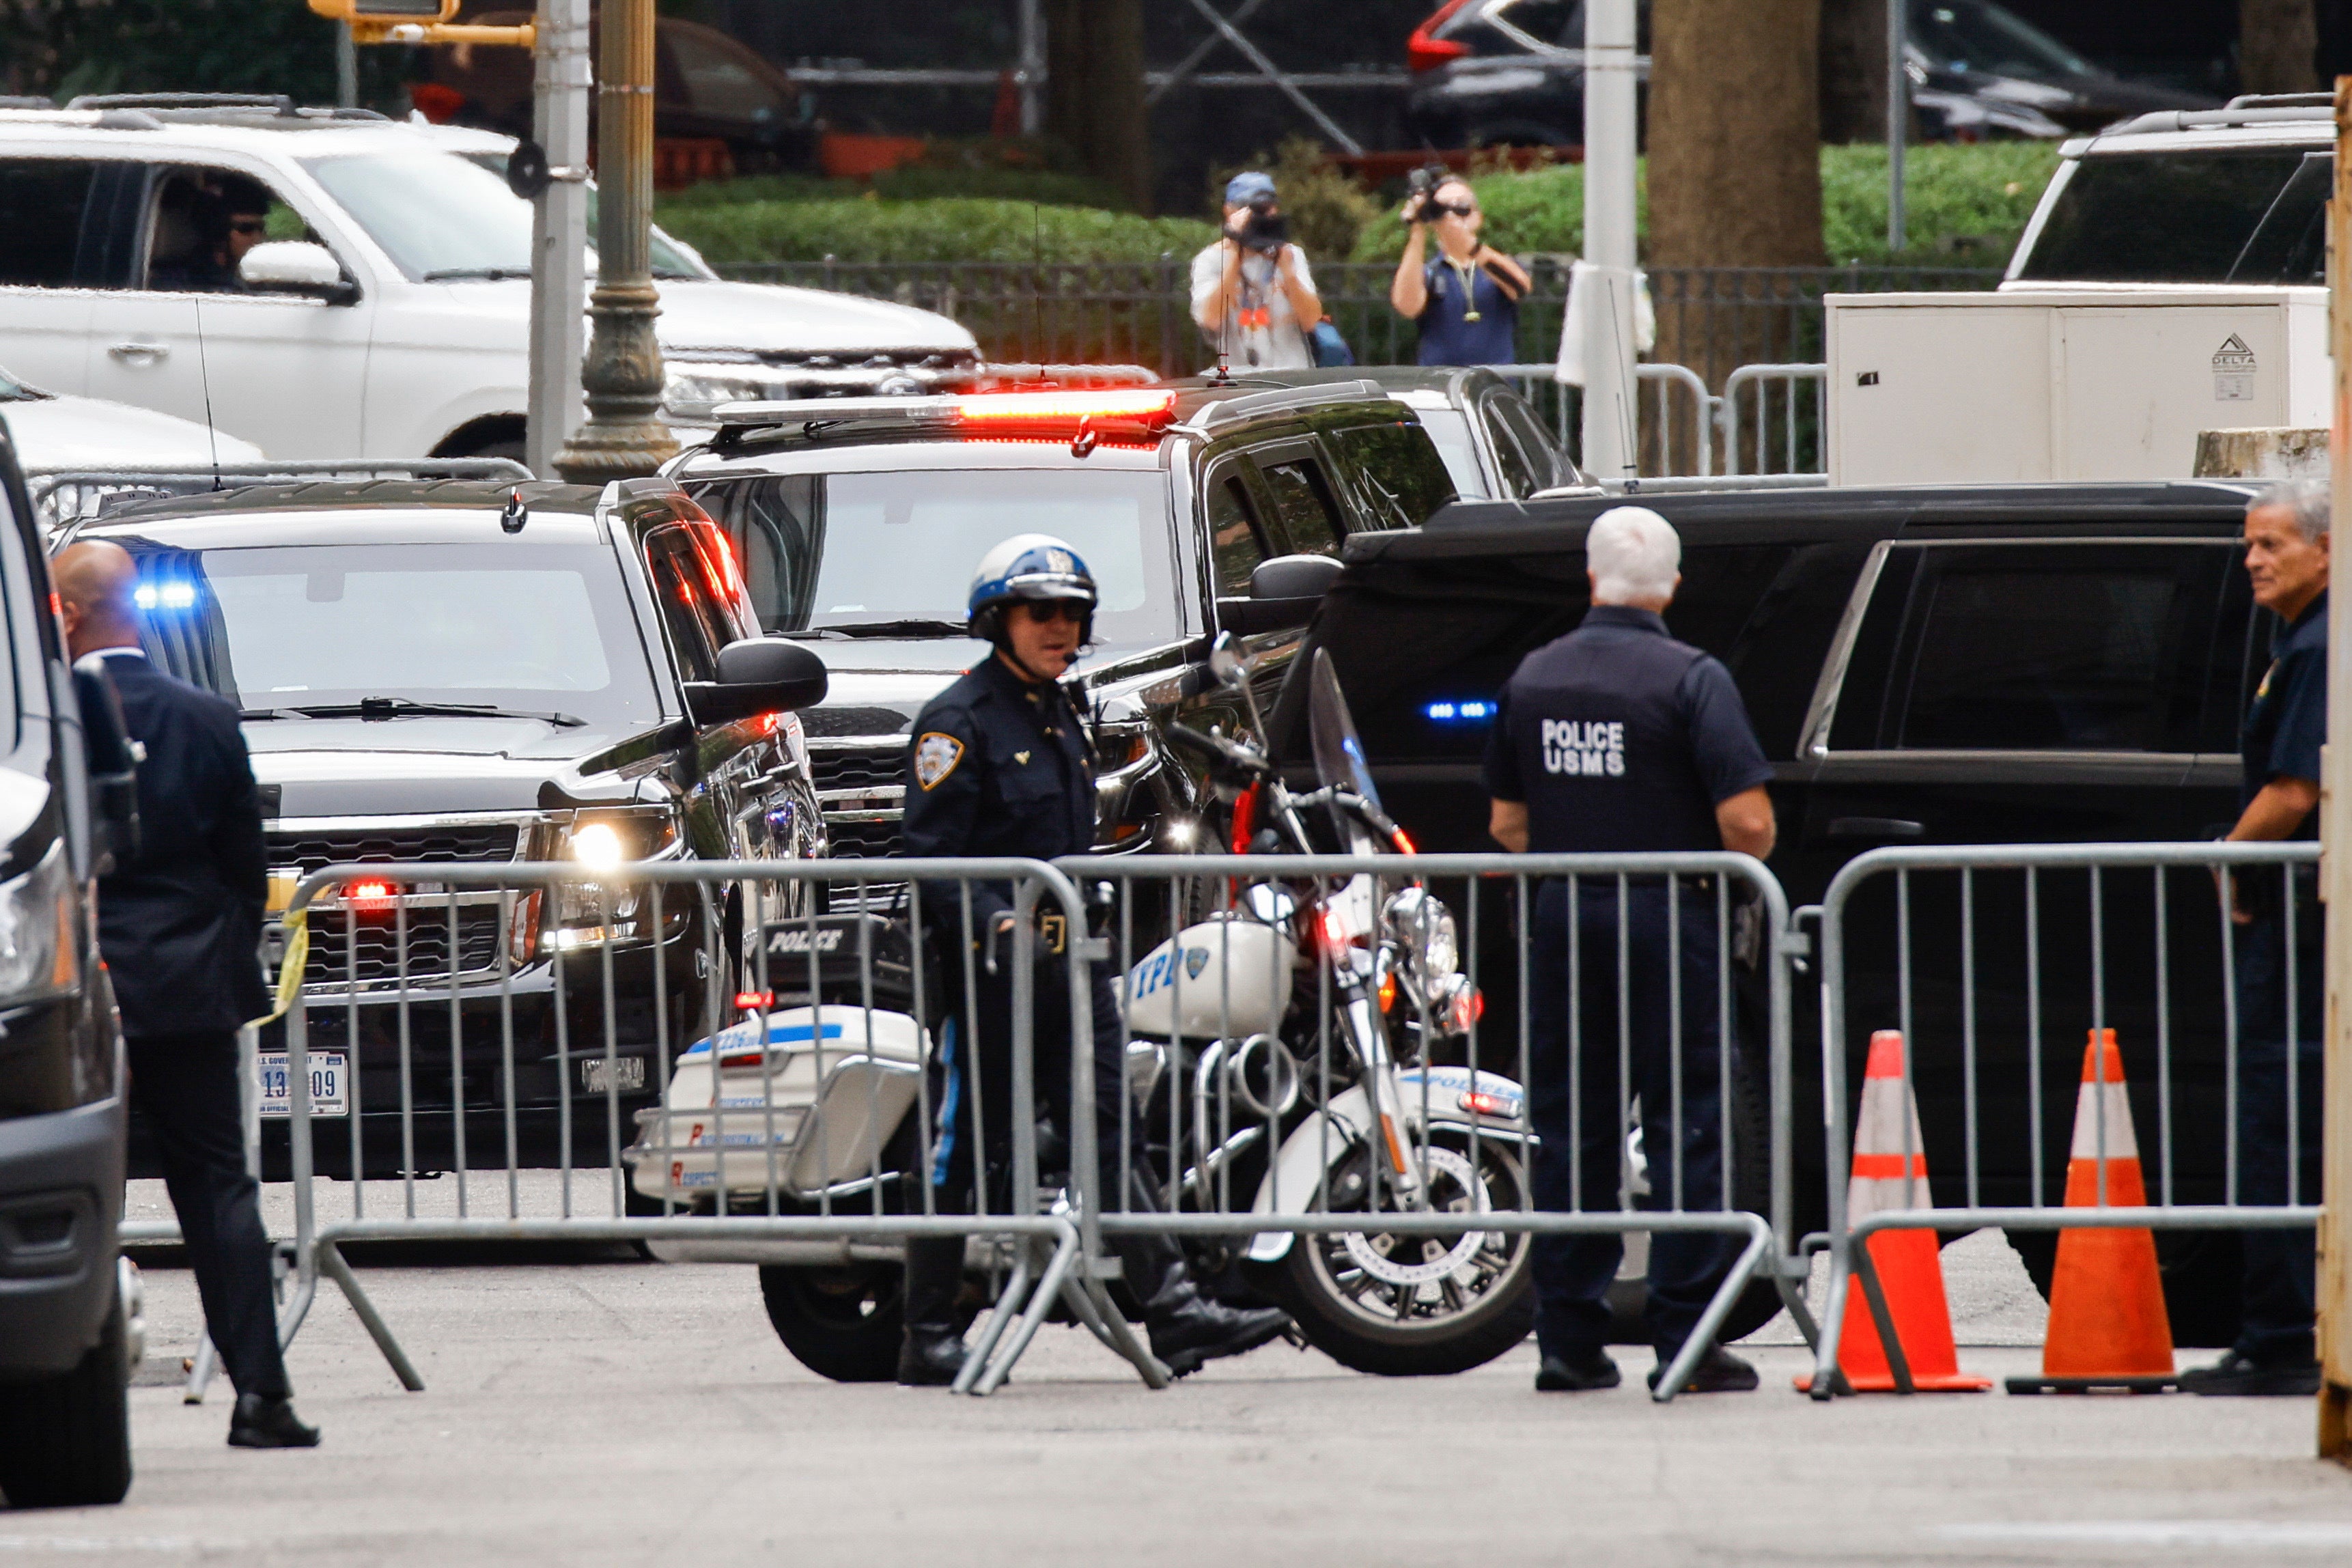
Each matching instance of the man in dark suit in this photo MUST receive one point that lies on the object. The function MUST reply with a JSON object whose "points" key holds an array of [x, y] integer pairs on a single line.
{"points": [[180, 924]]}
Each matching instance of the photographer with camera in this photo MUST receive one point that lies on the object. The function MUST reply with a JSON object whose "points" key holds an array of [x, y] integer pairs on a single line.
{"points": [[1466, 298], [1252, 293]]}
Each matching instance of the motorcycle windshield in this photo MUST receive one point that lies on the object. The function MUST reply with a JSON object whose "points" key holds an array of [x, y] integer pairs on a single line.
{"points": [[1338, 750]]}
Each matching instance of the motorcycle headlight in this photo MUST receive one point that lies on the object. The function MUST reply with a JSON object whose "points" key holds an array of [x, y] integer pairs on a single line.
{"points": [[1423, 928], [36, 934]]}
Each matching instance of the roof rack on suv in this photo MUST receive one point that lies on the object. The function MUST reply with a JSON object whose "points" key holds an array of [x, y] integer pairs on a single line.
{"points": [[281, 105], [2290, 108], [26, 101], [62, 496], [2282, 101]]}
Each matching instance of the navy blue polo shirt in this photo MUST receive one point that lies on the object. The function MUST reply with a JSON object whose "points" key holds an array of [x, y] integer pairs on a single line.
{"points": [[1620, 740], [1447, 339], [2288, 721]]}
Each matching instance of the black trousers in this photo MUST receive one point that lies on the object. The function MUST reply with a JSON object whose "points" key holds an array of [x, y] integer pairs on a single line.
{"points": [[186, 1086], [1579, 1121], [2280, 1297]]}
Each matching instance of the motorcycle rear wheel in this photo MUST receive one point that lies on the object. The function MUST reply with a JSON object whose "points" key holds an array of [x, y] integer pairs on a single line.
{"points": [[842, 1323], [1359, 1299]]}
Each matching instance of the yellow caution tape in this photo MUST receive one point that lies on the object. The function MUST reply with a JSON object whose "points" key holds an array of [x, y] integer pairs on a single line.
{"points": [[289, 969]]}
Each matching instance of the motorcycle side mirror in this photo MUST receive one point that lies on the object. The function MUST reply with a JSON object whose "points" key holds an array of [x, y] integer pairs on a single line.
{"points": [[1226, 662]]}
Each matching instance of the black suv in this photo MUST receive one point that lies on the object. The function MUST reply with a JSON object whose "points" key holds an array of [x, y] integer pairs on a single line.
{"points": [[469, 672], [1938, 664], [68, 1304], [1200, 507]]}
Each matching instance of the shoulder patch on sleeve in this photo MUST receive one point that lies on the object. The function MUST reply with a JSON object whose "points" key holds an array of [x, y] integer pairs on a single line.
{"points": [[936, 756]]}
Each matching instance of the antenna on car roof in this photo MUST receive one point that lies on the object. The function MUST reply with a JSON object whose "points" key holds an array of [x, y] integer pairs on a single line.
{"points": [[204, 377]]}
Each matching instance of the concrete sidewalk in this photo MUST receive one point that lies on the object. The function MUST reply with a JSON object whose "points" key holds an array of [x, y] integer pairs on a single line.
{"points": [[644, 1414]]}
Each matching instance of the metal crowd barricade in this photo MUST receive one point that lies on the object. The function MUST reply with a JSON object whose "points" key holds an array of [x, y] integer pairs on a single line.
{"points": [[1800, 431], [1221, 1085], [480, 996], [2002, 976]]}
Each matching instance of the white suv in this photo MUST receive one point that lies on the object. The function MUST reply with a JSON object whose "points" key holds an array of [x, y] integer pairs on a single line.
{"points": [[388, 315]]}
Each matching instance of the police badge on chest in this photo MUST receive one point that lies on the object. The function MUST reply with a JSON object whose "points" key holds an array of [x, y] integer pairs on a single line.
{"points": [[1591, 747]]}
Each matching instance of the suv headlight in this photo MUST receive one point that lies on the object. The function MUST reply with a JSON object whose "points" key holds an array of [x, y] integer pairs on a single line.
{"points": [[611, 908], [1423, 928], [37, 953], [691, 391]]}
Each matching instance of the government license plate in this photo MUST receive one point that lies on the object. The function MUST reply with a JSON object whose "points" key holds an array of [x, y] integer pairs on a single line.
{"points": [[329, 1084], [627, 1073]]}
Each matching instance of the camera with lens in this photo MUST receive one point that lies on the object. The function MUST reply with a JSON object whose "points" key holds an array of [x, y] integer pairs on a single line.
{"points": [[1421, 186], [1267, 231]]}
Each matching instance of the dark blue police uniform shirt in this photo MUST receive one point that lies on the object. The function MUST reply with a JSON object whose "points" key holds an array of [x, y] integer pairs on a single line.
{"points": [[2288, 721], [1447, 339], [1620, 740], [998, 766]]}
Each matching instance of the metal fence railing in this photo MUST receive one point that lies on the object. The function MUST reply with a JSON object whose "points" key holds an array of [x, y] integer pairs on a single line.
{"points": [[1711, 318], [1996, 964]]}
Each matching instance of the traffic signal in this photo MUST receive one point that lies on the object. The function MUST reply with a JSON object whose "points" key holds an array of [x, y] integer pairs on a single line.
{"points": [[415, 21]]}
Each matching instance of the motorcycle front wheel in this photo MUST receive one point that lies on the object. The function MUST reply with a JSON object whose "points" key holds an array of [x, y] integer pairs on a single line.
{"points": [[1418, 1306], [842, 1323]]}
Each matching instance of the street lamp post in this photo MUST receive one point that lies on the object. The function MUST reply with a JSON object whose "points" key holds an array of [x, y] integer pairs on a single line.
{"points": [[623, 436]]}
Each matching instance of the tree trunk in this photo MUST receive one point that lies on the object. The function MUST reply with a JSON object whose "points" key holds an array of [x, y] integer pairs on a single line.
{"points": [[1094, 94], [1735, 177], [1854, 70], [2278, 46]]}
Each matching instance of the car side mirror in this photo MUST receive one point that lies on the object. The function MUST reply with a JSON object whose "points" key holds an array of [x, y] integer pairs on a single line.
{"points": [[296, 267], [1283, 595], [758, 674], [112, 758]]}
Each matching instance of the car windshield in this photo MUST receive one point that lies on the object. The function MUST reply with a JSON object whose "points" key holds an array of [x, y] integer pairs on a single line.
{"points": [[1977, 36], [444, 217], [2165, 217], [532, 628], [892, 554]]}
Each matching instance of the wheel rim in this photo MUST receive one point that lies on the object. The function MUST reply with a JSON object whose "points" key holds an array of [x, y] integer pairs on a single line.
{"points": [[1429, 1284]]}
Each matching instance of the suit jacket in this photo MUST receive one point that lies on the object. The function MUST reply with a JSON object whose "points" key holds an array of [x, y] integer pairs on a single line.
{"points": [[180, 921]]}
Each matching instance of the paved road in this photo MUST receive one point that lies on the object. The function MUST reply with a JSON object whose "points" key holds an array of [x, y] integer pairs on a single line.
{"points": [[632, 1412]]}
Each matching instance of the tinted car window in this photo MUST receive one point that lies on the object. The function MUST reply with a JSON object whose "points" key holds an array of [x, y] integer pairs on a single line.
{"points": [[2159, 217], [2073, 648], [1450, 429], [2290, 244], [1537, 444], [1519, 478], [1237, 538], [1405, 479], [1303, 502], [41, 202]]}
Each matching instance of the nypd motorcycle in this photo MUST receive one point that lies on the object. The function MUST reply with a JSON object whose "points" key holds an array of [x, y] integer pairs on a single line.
{"points": [[1283, 1061]]}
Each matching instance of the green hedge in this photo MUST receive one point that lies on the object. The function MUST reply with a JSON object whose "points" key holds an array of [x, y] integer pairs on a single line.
{"points": [[945, 229]]}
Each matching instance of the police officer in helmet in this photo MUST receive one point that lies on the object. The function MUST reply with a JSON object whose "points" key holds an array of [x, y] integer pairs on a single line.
{"points": [[1618, 739], [1001, 766]]}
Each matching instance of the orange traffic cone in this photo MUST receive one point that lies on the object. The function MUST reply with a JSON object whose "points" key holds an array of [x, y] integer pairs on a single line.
{"points": [[1909, 1268], [2107, 1323]]}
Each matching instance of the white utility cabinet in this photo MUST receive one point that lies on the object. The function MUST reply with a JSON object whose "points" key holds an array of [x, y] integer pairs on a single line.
{"points": [[2071, 383]]}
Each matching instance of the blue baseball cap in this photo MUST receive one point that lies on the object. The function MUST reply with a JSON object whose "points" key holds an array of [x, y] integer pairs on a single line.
{"points": [[1246, 188]]}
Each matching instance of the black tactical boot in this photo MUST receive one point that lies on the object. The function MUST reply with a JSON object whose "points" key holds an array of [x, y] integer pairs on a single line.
{"points": [[262, 1422], [932, 1352], [1188, 1329]]}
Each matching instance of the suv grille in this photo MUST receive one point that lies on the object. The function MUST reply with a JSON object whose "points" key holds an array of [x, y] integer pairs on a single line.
{"points": [[310, 851], [362, 947], [861, 790]]}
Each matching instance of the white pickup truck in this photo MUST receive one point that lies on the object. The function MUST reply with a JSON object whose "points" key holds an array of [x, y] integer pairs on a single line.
{"points": [[388, 315], [2172, 280]]}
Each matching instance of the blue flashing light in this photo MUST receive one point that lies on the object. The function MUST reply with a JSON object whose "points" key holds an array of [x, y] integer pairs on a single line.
{"points": [[164, 596], [1473, 710]]}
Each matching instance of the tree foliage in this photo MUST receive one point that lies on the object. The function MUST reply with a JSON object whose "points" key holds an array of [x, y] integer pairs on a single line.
{"points": [[64, 48]]}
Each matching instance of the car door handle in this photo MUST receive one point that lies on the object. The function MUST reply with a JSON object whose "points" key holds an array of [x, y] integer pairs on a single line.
{"points": [[1876, 827], [147, 353]]}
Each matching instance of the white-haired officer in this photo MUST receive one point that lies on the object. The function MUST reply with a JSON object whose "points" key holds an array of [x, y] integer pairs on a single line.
{"points": [[1618, 739], [1001, 766]]}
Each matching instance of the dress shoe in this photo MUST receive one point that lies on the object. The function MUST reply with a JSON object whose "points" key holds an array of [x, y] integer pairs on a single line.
{"points": [[260, 1421], [930, 1358], [1194, 1329], [1718, 1372], [1577, 1373], [2237, 1373]]}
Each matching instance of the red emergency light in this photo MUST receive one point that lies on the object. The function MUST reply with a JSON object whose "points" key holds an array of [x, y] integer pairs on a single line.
{"points": [[1424, 51], [372, 896], [1034, 410]]}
